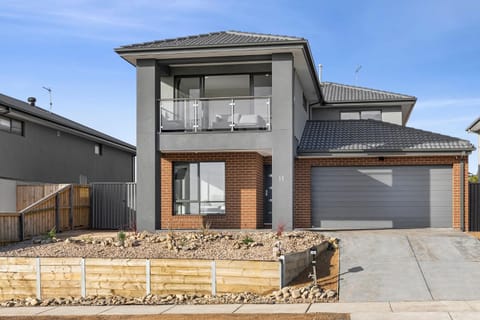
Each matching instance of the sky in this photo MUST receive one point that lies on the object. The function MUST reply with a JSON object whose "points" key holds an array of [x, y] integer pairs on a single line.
{"points": [[429, 49]]}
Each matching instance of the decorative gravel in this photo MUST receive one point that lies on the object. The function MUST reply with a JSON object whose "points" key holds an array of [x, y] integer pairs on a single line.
{"points": [[204, 244]]}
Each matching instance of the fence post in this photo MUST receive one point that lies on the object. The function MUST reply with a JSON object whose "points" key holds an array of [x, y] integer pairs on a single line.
{"points": [[57, 214], [39, 277], [70, 211], [21, 227], [214, 278]]}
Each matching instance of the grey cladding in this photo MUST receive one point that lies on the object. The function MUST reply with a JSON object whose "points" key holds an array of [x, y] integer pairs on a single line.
{"points": [[51, 117], [373, 136], [336, 92]]}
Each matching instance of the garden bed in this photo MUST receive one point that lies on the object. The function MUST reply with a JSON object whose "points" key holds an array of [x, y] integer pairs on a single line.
{"points": [[225, 245], [162, 268]]}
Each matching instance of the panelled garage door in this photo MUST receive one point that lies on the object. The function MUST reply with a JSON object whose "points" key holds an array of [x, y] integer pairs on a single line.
{"points": [[382, 197]]}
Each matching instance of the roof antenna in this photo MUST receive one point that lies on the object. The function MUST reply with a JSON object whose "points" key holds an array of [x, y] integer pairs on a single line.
{"points": [[356, 73], [320, 71], [50, 95]]}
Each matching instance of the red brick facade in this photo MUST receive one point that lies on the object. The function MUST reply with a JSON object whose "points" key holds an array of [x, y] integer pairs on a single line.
{"points": [[243, 191], [302, 215]]}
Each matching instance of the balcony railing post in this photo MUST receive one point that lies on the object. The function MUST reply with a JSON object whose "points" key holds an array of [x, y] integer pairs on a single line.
{"points": [[269, 116], [184, 114], [232, 122], [195, 115], [161, 115]]}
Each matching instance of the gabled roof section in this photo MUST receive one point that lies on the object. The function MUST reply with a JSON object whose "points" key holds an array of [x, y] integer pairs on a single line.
{"points": [[370, 136], [343, 93], [213, 39], [475, 126], [13, 104]]}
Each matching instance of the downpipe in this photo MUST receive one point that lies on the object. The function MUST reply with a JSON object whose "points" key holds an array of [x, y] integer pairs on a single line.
{"points": [[462, 192]]}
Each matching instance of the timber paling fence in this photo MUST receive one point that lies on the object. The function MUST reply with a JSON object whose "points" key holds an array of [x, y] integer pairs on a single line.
{"points": [[68, 208]]}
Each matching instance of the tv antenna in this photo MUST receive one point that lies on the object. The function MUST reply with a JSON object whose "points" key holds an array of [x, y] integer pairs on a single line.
{"points": [[356, 73], [50, 95]]}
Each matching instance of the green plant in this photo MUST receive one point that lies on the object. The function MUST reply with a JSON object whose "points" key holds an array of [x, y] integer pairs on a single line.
{"points": [[473, 178], [247, 240], [121, 236], [52, 233], [205, 227]]}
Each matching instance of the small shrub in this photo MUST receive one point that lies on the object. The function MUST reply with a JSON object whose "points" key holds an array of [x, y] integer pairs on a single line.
{"points": [[121, 236], [247, 240], [280, 229], [52, 234], [205, 227]]}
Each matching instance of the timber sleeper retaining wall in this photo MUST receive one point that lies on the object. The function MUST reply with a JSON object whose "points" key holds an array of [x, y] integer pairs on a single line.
{"points": [[22, 277]]}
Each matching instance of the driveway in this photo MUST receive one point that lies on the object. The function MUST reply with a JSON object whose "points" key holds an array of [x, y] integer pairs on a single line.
{"points": [[408, 265]]}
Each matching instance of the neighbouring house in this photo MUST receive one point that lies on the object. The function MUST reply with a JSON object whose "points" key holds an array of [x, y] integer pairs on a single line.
{"points": [[234, 129], [475, 127], [38, 146]]}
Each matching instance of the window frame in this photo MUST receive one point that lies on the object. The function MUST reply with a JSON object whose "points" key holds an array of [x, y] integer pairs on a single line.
{"points": [[202, 82], [359, 112], [10, 127], [199, 191]]}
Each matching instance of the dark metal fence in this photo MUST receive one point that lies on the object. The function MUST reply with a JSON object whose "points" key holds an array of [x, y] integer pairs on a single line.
{"points": [[113, 205], [474, 206]]}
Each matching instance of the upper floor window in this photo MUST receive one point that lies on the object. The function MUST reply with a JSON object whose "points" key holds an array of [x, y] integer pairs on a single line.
{"points": [[11, 125], [212, 86], [361, 115]]}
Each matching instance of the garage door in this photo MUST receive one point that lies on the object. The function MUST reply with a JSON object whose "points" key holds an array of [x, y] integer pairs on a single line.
{"points": [[382, 197]]}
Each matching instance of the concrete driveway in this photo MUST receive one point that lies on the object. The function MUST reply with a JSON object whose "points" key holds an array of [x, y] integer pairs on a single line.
{"points": [[408, 265]]}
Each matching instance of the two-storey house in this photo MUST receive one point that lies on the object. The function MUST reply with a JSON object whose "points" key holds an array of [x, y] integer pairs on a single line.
{"points": [[235, 130]]}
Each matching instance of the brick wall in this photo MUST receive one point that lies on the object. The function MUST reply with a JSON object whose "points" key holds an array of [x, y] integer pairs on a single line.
{"points": [[302, 214], [243, 192]]}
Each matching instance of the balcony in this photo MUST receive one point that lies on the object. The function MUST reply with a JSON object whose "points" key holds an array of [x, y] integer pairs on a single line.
{"points": [[215, 114]]}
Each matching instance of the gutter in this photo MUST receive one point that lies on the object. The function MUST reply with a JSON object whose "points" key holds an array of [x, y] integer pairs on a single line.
{"points": [[366, 154]]}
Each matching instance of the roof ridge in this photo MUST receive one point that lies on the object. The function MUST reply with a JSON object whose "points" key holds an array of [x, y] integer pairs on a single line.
{"points": [[366, 89], [200, 35], [263, 35]]}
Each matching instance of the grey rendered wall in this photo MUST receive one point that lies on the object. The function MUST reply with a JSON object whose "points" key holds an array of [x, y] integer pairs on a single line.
{"points": [[45, 155], [300, 116], [391, 114], [8, 195], [283, 140], [148, 158]]}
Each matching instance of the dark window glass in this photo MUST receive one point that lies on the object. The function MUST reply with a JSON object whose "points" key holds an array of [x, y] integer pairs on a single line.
{"points": [[262, 85], [199, 188], [227, 86], [5, 124], [17, 127], [188, 87], [350, 115], [373, 115]]}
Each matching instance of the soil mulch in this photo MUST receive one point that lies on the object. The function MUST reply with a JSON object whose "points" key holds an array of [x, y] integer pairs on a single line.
{"points": [[211, 244]]}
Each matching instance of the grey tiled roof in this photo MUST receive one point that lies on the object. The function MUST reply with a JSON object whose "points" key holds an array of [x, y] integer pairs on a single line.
{"points": [[51, 117], [351, 136], [336, 92], [213, 39]]}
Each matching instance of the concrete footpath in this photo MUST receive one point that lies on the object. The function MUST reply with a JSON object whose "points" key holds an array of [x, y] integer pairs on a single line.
{"points": [[424, 310]]}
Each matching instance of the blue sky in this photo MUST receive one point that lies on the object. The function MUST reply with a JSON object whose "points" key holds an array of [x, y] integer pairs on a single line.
{"points": [[429, 49]]}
